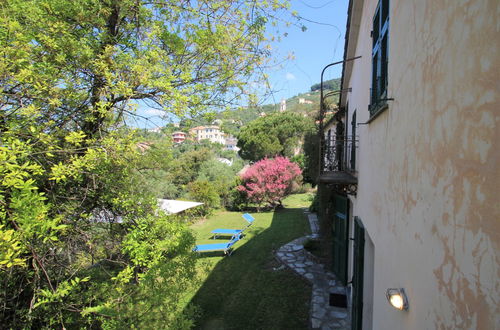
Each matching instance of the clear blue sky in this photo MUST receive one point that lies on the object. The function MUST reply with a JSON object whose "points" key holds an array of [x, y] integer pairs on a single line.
{"points": [[320, 44]]}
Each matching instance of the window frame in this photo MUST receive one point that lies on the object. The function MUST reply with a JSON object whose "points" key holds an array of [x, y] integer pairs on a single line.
{"points": [[380, 55]]}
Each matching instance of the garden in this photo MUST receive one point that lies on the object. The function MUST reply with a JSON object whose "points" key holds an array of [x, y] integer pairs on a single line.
{"points": [[250, 289], [83, 243]]}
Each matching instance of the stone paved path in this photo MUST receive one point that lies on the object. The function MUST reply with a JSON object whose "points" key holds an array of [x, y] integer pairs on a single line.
{"points": [[322, 315]]}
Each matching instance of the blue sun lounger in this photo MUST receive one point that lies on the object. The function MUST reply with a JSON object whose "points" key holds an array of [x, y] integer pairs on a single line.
{"points": [[225, 247], [231, 232]]}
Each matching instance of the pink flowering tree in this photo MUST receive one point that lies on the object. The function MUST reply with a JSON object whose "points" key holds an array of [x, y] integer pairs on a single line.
{"points": [[269, 180]]}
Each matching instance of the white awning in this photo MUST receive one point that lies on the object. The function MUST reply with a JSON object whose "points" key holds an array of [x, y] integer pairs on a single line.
{"points": [[172, 206]]}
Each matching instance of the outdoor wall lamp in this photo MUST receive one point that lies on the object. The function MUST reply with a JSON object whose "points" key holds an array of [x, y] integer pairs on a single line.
{"points": [[397, 298], [351, 189]]}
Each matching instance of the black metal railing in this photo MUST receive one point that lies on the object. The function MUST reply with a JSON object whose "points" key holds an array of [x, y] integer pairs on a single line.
{"points": [[339, 155]]}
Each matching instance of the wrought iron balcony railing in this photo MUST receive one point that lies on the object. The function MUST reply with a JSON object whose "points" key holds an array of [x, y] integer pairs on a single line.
{"points": [[339, 155], [338, 165]]}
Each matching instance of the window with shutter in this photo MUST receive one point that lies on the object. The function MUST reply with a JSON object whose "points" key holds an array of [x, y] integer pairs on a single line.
{"points": [[380, 36]]}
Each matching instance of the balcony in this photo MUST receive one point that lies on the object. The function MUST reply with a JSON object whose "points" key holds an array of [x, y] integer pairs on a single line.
{"points": [[337, 154], [338, 163]]}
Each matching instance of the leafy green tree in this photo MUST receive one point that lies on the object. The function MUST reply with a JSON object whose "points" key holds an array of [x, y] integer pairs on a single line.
{"points": [[333, 84], [80, 245], [222, 176], [275, 134], [204, 191], [310, 169], [185, 168], [153, 171]]}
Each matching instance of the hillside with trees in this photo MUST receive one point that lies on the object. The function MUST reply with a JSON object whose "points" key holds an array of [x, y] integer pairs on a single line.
{"points": [[306, 104], [331, 85]]}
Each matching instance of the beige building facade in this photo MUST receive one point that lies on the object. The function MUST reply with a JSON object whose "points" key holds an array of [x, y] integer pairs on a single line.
{"points": [[212, 133], [410, 175]]}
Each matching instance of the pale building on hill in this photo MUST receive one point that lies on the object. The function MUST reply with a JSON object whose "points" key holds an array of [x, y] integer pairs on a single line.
{"points": [[212, 133], [155, 130], [231, 143], [283, 105]]}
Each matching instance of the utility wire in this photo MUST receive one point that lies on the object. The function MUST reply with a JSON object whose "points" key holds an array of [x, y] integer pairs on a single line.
{"points": [[314, 7]]}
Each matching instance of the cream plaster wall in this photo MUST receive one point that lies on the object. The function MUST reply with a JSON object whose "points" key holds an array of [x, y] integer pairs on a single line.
{"points": [[428, 167]]}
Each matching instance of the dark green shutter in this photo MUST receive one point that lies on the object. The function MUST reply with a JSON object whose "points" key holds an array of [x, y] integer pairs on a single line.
{"points": [[353, 141], [340, 237], [380, 56], [357, 277]]}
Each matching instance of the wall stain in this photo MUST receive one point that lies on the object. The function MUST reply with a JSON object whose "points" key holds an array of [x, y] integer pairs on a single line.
{"points": [[454, 161], [464, 162]]}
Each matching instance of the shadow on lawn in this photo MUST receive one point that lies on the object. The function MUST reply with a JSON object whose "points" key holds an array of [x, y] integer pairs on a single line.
{"points": [[247, 291]]}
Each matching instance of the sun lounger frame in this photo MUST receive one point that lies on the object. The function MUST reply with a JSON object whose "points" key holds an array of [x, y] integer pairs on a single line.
{"points": [[226, 232], [226, 247]]}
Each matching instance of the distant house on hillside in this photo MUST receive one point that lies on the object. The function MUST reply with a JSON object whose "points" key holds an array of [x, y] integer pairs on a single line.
{"points": [[178, 136], [283, 105], [231, 143], [212, 133], [155, 130], [304, 101]]}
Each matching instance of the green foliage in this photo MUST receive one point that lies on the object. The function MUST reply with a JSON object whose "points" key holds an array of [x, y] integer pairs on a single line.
{"points": [[314, 207], [305, 104], [204, 191], [10, 249], [161, 245], [222, 176], [168, 173], [82, 244], [333, 84], [236, 200], [300, 160], [276, 134], [153, 171], [311, 158], [185, 168]]}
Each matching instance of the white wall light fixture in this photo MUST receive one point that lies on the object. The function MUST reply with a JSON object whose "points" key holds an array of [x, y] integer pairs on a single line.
{"points": [[397, 298]]}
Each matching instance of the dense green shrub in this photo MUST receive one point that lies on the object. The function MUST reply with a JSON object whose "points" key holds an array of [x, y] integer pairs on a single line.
{"points": [[277, 134], [236, 200], [205, 192]]}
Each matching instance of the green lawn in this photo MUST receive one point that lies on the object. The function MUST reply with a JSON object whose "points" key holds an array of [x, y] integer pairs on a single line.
{"points": [[244, 290]]}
